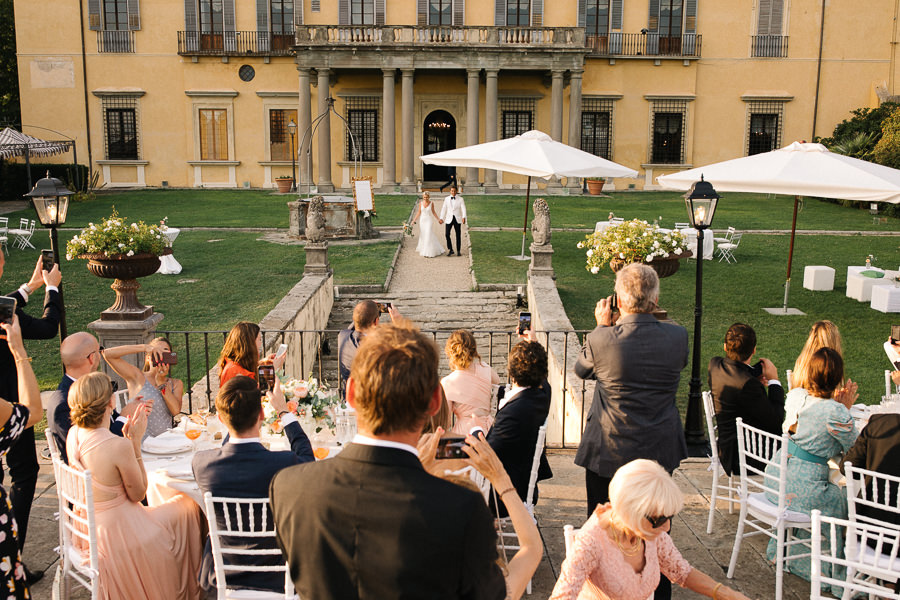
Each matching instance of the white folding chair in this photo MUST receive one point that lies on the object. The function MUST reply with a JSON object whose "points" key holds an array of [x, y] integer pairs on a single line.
{"points": [[715, 466], [77, 529], [868, 491], [682, 225], [4, 233], [569, 532], [880, 563], [121, 399], [23, 240], [773, 520], [726, 249], [725, 238], [249, 520]]}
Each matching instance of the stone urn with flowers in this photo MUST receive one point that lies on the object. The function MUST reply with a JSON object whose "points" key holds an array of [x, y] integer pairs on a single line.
{"points": [[635, 241], [122, 251]]}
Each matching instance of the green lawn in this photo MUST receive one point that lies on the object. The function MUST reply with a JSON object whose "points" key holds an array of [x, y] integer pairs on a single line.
{"points": [[732, 293]]}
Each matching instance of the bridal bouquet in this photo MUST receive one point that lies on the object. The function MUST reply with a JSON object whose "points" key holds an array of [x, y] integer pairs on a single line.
{"points": [[309, 400], [407, 228]]}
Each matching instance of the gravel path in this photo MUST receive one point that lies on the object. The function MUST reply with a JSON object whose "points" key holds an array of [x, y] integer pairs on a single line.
{"points": [[414, 273]]}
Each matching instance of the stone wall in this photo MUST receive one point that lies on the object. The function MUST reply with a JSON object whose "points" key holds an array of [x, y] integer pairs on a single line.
{"points": [[305, 307], [571, 395]]}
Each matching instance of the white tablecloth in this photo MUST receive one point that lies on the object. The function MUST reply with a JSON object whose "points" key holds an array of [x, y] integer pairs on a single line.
{"points": [[167, 263], [709, 244]]}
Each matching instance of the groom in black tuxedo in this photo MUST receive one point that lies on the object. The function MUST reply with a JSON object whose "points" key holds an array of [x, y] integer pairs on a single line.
{"points": [[371, 522]]}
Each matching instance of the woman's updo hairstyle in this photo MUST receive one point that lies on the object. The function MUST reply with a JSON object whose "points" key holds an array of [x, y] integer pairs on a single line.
{"points": [[88, 399], [461, 349]]}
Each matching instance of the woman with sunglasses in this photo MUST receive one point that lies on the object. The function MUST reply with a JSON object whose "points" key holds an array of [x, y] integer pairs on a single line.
{"points": [[623, 548]]}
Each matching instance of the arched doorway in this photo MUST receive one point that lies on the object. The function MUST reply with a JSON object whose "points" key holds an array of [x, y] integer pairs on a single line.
{"points": [[439, 134]]}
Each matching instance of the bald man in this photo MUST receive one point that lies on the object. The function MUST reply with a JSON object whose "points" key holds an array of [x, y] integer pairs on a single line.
{"points": [[80, 353]]}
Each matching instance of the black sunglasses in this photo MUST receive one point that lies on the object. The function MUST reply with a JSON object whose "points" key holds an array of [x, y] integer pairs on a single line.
{"points": [[657, 522]]}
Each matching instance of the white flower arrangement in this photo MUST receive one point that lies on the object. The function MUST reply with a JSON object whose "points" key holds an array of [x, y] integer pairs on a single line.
{"points": [[631, 241]]}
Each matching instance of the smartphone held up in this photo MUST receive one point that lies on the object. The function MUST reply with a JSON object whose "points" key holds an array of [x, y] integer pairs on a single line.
{"points": [[266, 377], [451, 447]]}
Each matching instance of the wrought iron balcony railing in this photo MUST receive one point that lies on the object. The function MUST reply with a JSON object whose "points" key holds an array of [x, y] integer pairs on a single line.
{"points": [[650, 45], [769, 46], [115, 41], [235, 43]]}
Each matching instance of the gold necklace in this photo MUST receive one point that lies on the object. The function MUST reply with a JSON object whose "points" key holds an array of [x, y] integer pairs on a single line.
{"points": [[633, 550]]}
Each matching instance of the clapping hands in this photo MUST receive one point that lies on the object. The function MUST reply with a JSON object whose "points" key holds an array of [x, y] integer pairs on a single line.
{"points": [[136, 425], [847, 395]]}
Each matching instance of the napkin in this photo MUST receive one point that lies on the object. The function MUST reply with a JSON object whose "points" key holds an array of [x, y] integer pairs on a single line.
{"points": [[168, 442], [180, 469]]}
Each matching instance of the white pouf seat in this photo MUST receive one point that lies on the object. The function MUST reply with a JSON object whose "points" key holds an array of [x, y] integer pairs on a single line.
{"points": [[886, 298], [818, 278]]}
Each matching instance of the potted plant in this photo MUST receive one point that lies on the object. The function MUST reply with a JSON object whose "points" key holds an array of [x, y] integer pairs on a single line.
{"points": [[595, 185], [117, 249], [284, 183], [635, 241]]}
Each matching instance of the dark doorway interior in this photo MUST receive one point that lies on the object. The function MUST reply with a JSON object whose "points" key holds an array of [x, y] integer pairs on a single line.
{"points": [[439, 134]]}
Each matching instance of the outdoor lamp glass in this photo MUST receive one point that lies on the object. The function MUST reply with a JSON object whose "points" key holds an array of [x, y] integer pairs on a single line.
{"points": [[51, 201], [701, 204], [292, 127]]}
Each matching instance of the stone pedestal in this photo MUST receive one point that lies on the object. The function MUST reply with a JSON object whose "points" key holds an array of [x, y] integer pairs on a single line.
{"points": [[541, 261], [125, 333], [340, 217], [317, 259]]}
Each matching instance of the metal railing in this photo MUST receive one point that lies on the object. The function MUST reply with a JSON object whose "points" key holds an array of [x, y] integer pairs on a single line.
{"points": [[769, 46], [462, 38], [115, 41], [235, 43], [651, 45], [198, 352]]}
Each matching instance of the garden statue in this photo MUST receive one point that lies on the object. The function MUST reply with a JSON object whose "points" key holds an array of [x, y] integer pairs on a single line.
{"points": [[315, 221], [540, 226]]}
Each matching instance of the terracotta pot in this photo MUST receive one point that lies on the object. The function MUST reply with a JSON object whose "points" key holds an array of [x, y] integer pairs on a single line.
{"points": [[664, 267], [284, 185], [125, 270], [595, 187]]}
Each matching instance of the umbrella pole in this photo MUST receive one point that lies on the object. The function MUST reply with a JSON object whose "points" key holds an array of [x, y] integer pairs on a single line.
{"points": [[787, 284], [525, 224]]}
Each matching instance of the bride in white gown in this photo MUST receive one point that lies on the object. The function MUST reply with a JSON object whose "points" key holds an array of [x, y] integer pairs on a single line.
{"points": [[429, 242]]}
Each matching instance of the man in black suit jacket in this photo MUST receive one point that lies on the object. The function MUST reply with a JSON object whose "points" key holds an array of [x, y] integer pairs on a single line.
{"points": [[525, 408], [22, 456], [243, 468], [878, 449], [80, 353], [738, 391], [371, 522]]}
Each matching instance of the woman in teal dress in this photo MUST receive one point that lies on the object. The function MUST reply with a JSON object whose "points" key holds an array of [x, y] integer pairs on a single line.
{"points": [[824, 429]]}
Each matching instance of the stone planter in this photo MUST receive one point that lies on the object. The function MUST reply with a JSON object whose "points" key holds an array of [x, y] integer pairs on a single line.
{"points": [[664, 267], [284, 185], [595, 186], [125, 270]]}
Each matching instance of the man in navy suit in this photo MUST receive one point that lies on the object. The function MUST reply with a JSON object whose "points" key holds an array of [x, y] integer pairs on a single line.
{"points": [[243, 468], [521, 414], [80, 353]]}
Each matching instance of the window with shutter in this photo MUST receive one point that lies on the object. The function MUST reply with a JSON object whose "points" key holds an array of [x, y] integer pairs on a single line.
{"points": [[459, 13], [499, 13], [94, 15], [134, 15], [440, 12], [537, 13], [379, 13], [769, 41], [616, 15], [343, 12], [518, 13], [362, 12]]}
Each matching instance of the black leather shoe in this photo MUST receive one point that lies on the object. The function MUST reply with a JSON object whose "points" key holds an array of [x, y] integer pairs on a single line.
{"points": [[451, 253], [32, 577]]}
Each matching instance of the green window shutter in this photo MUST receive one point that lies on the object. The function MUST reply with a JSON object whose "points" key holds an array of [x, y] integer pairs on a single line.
{"points": [[134, 15], [94, 15], [190, 15], [421, 13], [616, 11], [582, 10], [262, 16], [343, 12], [690, 16], [777, 20], [379, 13], [499, 13], [298, 12], [763, 17], [537, 13], [653, 20], [459, 13], [228, 15]]}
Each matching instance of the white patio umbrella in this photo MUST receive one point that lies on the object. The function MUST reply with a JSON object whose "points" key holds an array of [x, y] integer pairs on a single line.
{"points": [[533, 153], [798, 170]]}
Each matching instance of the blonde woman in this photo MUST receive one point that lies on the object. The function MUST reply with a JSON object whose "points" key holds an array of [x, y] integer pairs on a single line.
{"points": [[823, 334], [165, 562], [429, 242], [624, 547], [152, 384], [468, 387]]}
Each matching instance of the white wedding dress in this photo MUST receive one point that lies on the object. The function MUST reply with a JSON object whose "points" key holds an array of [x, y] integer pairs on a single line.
{"points": [[429, 242]]}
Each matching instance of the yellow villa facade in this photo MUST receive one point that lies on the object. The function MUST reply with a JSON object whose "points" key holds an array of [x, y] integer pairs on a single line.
{"points": [[203, 93]]}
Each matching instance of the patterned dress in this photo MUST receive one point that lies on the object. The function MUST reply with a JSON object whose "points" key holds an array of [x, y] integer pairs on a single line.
{"points": [[12, 571], [824, 429], [159, 420]]}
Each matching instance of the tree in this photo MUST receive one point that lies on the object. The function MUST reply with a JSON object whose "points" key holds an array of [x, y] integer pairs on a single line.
{"points": [[9, 72], [887, 151], [861, 132]]}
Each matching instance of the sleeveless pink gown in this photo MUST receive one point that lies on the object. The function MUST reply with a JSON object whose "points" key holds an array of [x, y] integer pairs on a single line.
{"points": [[469, 395], [144, 553]]}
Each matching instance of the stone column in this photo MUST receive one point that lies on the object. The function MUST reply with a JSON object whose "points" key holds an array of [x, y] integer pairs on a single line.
{"points": [[472, 120], [388, 140], [556, 106], [406, 140], [490, 124], [304, 145], [574, 183], [325, 184]]}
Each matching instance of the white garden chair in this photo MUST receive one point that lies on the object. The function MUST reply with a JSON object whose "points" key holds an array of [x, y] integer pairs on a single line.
{"points": [[23, 238], [881, 563], [716, 467], [77, 529], [725, 238], [726, 249], [121, 397], [776, 521], [250, 520]]}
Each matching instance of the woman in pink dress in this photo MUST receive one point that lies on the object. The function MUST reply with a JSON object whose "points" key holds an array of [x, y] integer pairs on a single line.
{"points": [[468, 387], [144, 553], [625, 545]]}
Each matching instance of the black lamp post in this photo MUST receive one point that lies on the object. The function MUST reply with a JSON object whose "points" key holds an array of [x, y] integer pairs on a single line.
{"points": [[292, 128], [701, 203], [50, 198]]}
